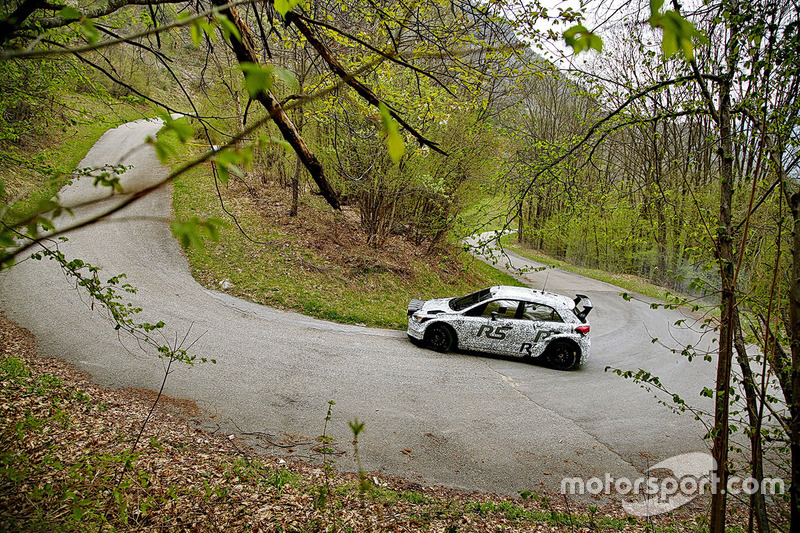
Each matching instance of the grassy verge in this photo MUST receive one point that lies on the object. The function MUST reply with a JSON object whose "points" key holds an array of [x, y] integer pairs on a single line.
{"points": [[38, 167], [66, 464], [318, 262], [631, 283]]}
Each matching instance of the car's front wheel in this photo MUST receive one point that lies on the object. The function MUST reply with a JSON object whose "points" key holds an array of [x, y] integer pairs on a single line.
{"points": [[440, 337], [563, 355]]}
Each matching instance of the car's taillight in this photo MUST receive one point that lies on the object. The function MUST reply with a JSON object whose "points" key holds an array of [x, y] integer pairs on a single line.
{"points": [[583, 330]]}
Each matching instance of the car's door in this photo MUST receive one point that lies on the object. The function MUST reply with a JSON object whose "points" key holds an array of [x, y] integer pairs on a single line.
{"points": [[490, 327], [538, 323]]}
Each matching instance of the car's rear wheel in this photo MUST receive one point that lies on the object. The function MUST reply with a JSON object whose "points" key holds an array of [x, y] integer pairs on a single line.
{"points": [[440, 337], [563, 355]]}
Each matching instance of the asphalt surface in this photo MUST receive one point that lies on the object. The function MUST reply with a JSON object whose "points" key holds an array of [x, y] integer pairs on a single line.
{"points": [[460, 420]]}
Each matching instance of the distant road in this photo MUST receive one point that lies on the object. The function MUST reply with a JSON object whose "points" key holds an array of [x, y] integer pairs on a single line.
{"points": [[460, 420]]}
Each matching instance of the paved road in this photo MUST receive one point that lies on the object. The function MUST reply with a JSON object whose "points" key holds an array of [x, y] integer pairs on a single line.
{"points": [[469, 421]]}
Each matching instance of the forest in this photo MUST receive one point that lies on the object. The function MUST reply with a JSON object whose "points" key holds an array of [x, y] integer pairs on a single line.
{"points": [[659, 141]]}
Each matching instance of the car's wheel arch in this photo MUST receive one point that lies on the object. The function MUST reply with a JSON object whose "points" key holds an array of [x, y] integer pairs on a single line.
{"points": [[440, 326], [553, 346]]}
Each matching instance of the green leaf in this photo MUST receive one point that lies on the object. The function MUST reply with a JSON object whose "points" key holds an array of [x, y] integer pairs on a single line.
{"points": [[197, 34], [390, 129], [256, 78], [287, 77], [287, 147], [180, 126], [678, 34], [200, 28], [265, 140], [655, 6], [228, 27], [227, 161], [45, 205], [284, 6], [580, 39], [235, 170], [192, 233], [89, 31], [188, 233], [107, 180], [70, 13], [224, 175], [6, 239], [163, 151], [356, 427]]}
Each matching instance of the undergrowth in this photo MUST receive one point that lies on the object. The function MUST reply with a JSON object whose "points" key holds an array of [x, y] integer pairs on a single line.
{"points": [[65, 465], [317, 263]]}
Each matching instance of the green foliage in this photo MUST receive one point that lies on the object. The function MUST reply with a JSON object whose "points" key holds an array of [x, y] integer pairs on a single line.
{"points": [[257, 78], [13, 368], [192, 233], [201, 28], [580, 39], [231, 161], [364, 483], [356, 427], [227, 27], [284, 6], [390, 131], [678, 36], [89, 31], [29, 92], [678, 33], [70, 13], [280, 478], [179, 125]]}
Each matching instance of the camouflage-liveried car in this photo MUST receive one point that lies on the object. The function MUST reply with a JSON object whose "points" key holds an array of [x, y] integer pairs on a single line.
{"points": [[511, 321]]}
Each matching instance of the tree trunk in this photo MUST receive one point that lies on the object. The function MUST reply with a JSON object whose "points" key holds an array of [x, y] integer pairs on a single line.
{"points": [[794, 378], [295, 188], [758, 505], [245, 53], [14, 21], [725, 256]]}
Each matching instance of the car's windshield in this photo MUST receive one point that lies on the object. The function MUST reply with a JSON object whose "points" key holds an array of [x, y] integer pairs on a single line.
{"points": [[459, 304]]}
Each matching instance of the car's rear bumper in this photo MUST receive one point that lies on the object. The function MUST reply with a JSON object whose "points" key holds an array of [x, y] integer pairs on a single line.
{"points": [[416, 330]]}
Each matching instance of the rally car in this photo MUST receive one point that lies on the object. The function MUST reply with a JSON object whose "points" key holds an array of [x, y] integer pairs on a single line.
{"points": [[511, 321]]}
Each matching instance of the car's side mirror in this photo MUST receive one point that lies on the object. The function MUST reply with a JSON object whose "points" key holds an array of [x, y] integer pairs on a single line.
{"points": [[494, 315]]}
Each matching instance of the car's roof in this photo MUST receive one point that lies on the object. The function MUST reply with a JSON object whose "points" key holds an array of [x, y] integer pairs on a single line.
{"points": [[524, 293]]}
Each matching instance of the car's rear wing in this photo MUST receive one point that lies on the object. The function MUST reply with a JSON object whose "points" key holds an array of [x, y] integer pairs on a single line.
{"points": [[414, 306], [586, 303]]}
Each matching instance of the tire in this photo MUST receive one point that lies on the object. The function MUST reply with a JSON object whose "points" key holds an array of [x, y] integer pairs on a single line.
{"points": [[563, 356], [415, 341], [440, 338]]}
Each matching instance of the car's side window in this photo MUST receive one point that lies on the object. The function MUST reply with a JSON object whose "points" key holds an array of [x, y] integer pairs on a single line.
{"points": [[539, 313], [503, 308]]}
